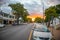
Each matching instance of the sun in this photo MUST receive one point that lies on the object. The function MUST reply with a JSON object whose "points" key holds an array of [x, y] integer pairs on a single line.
{"points": [[33, 19]]}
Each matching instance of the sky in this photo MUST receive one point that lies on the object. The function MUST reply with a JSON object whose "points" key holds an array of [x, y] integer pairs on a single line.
{"points": [[33, 6]]}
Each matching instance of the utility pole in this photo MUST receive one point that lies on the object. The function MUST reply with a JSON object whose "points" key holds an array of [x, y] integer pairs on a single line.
{"points": [[43, 10]]}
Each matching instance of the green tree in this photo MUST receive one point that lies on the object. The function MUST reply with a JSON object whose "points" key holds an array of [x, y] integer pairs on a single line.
{"points": [[58, 10], [19, 11], [24, 17], [38, 20], [50, 14], [29, 20]]}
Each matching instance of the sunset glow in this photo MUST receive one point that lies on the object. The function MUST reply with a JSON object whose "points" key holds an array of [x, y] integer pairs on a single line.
{"points": [[33, 16], [33, 19]]}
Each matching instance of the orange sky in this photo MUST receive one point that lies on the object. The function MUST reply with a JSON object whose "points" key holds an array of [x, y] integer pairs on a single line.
{"points": [[34, 15]]}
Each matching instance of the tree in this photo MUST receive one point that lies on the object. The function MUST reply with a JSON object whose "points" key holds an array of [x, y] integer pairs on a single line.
{"points": [[29, 20], [58, 10], [18, 11], [50, 14], [38, 20], [24, 17]]}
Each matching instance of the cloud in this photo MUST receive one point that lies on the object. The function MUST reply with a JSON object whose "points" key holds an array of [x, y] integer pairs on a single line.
{"points": [[54, 2], [6, 9], [34, 5]]}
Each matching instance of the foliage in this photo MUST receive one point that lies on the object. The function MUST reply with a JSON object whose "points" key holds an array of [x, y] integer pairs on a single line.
{"points": [[29, 19], [24, 16], [19, 11], [50, 14], [18, 8], [58, 9], [38, 20], [52, 11]]}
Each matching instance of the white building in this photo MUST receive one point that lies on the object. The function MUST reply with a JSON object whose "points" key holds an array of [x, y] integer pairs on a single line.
{"points": [[56, 21], [6, 18]]}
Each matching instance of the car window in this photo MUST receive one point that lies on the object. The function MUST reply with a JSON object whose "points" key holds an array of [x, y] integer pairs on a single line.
{"points": [[41, 29]]}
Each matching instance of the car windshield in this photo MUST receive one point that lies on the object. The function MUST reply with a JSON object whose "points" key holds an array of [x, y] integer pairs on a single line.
{"points": [[41, 29]]}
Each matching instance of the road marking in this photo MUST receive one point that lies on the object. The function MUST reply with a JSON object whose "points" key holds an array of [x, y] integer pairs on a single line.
{"points": [[30, 35]]}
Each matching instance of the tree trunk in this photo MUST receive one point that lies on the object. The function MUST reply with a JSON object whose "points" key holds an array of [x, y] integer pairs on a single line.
{"points": [[17, 20], [46, 23], [55, 21], [49, 24]]}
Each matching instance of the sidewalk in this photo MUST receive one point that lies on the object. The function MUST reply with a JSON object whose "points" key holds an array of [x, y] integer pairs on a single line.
{"points": [[6, 26], [56, 33]]}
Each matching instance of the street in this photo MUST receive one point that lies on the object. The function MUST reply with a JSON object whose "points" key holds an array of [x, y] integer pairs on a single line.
{"points": [[29, 20], [20, 32]]}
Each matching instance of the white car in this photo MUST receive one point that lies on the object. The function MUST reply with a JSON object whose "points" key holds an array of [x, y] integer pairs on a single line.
{"points": [[41, 33], [2, 25]]}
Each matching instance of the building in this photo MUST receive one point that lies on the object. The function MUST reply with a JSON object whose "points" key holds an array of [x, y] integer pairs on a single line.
{"points": [[56, 21], [6, 18]]}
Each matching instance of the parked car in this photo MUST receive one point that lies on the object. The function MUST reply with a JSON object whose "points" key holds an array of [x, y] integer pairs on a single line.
{"points": [[2, 25], [14, 24], [41, 33]]}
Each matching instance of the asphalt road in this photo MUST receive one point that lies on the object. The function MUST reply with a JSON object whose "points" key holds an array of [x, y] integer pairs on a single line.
{"points": [[20, 32]]}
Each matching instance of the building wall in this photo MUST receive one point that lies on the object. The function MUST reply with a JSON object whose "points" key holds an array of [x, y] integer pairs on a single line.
{"points": [[55, 22], [6, 18]]}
